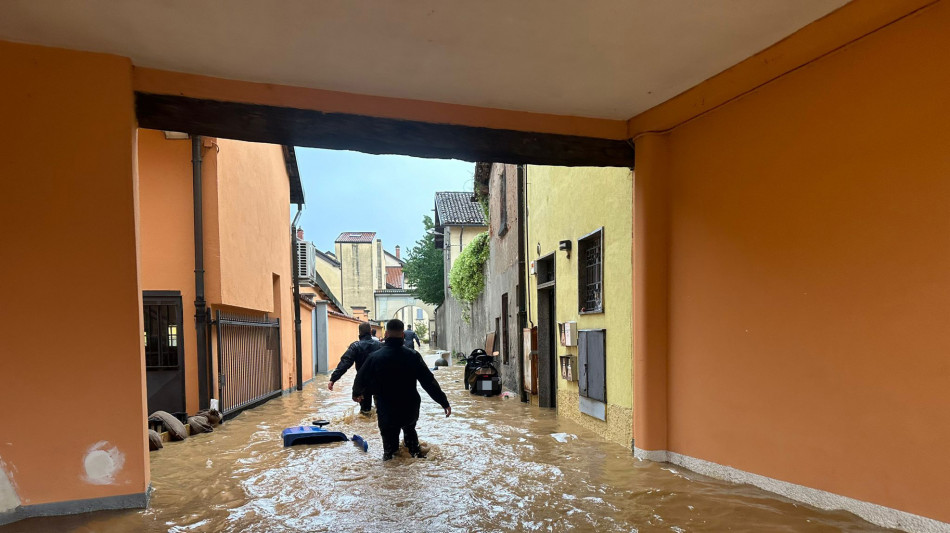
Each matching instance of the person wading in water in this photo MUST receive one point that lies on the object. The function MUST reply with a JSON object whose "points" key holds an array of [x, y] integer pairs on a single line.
{"points": [[391, 374], [410, 337], [357, 353]]}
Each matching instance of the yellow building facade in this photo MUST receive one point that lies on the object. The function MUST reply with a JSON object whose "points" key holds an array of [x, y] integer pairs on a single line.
{"points": [[569, 204]]}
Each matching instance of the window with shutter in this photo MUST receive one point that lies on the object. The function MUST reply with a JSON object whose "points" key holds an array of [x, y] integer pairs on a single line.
{"points": [[592, 364], [504, 328]]}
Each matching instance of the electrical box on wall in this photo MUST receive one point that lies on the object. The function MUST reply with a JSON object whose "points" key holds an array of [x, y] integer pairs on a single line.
{"points": [[568, 367], [534, 268], [568, 333]]}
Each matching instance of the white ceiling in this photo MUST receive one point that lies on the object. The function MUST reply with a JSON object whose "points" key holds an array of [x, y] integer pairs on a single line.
{"points": [[593, 58]]}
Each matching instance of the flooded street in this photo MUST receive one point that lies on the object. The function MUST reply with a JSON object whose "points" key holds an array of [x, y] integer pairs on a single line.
{"points": [[495, 465]]}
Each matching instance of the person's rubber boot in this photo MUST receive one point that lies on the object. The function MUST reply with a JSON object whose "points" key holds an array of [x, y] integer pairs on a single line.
{"points": [[367, 413], [387, 456], [417, 452]]}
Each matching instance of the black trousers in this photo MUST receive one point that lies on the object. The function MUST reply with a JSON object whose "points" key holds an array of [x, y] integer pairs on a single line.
{"points": [[390, 435], [367, 402]]}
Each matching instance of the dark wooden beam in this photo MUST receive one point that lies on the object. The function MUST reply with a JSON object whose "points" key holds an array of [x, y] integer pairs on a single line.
{"points": [[373, 135]]}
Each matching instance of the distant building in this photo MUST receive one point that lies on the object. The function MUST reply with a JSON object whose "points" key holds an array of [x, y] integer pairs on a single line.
{"points": [[579, 280], [360, 255], [395, 299], [458, 219], [246, 276]]}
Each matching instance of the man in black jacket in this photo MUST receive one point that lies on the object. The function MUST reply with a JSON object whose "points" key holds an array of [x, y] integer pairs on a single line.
{"points": [[357, 353], [391, 374], [410, 338]]}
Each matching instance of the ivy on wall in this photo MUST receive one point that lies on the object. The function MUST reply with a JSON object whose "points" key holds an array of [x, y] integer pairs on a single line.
{"points": [[467, 277]]}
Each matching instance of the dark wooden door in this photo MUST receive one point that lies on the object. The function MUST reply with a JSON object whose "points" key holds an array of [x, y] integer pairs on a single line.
{"points": [[547, 348], [164, 351]]}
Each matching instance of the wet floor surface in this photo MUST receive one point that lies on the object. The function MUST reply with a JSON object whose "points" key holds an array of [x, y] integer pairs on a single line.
{"points": [[495, 465]]}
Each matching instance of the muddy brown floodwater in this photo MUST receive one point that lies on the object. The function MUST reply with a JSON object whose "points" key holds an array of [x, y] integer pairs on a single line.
{"points": [[493, 466]]}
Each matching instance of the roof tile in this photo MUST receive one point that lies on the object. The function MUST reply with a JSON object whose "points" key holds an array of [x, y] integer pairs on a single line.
{"points": [[356, 236], [457, 208]]}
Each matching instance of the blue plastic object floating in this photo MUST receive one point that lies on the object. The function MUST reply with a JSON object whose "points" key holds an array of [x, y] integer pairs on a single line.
{"points": [[361, 442], [310, 435]]}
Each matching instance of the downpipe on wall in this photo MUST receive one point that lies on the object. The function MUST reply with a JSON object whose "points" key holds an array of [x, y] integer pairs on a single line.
{"points": [[298, 341], [522, 282], [201, 310]]}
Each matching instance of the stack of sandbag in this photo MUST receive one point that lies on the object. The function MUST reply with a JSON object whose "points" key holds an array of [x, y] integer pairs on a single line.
{"points": [[176, 430]]}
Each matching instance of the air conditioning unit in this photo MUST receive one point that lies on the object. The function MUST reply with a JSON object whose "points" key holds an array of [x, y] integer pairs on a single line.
{"points": [[306, 257]]}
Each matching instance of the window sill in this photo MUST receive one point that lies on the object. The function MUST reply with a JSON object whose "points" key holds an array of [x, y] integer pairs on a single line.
{"points": [[591, 407], [592, 312]]}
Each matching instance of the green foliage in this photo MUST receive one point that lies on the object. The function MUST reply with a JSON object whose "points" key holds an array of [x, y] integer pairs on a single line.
{"points": [[422, 330], [467, 277], [424, 269], [482, 197]]}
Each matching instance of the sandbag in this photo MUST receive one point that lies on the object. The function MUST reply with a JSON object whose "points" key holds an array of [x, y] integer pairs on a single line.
{"points": [[199, 424], [154, 441], [213, 416], [176, 430]]}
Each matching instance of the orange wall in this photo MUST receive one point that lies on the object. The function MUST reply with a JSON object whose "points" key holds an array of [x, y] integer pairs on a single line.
{"points": [[167, 240], [253, 202], [342, 332], [808, 285], [68, 208], [306, 340]]}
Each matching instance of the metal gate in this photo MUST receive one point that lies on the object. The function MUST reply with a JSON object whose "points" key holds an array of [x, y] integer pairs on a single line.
{"points": [[249, 363]]}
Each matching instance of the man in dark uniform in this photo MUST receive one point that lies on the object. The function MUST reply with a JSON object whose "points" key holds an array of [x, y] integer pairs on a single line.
{"points": [[410, 337], [357, 353], [391, 374]]}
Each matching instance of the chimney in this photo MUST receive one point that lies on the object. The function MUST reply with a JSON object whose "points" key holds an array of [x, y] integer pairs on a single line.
{"points": [[397, 251], [299, 234]]}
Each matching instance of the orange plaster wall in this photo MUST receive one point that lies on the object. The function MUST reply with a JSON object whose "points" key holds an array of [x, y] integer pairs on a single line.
{"points": [[810, 274], [342, 332], [68, 209], [306, 340], [254, 235], [167, 232]]}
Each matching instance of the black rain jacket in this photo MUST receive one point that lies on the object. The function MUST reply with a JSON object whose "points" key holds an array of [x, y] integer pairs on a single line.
{"points": [[357, 353], [411, 338], [390, 374]]}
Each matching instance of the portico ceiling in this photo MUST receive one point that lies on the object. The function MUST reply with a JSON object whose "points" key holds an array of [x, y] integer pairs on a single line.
{"points": [[590, 58]]}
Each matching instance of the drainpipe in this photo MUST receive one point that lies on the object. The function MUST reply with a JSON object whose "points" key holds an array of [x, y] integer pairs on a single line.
{"points": [[522, 282], [296, 277], [201, 311]]}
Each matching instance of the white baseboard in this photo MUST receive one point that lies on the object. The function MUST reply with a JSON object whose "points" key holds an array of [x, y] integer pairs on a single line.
{"points": [[872, 512]]}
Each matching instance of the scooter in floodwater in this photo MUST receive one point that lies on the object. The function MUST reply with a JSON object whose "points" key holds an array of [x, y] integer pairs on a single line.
{"points": [[315, 434], [481, 376]]}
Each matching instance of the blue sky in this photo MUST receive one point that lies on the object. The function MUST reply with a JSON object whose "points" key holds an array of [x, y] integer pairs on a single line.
{"points": [[388, 194]]}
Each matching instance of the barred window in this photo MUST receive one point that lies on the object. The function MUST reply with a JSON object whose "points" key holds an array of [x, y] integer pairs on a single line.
{"points": [[162, 318], [590, 276]]}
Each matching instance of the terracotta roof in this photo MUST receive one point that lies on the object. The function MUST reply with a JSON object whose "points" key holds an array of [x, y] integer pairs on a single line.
{"points": [[356, 236], [458, 209], [393, 277]]}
